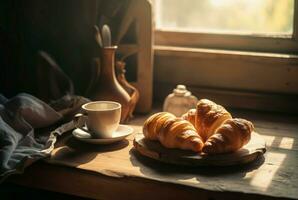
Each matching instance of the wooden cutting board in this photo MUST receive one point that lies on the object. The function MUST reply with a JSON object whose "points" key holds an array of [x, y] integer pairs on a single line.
{"points": [[248, 153]]}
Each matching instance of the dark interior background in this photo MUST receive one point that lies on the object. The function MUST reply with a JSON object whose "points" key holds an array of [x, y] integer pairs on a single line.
{"points": [[63, 29]]}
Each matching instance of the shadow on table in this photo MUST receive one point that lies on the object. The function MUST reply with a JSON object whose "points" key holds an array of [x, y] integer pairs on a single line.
{"points": [[151, 167], [74, 152]]}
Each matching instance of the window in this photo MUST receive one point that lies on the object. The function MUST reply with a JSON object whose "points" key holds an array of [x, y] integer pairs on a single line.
{"points": [[268, 17], [254, 25], [242, 53]]}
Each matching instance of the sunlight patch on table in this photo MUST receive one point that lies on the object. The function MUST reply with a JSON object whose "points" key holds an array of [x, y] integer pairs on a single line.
{"points": [[269, 139], [286, 143], [279, 141], [262, 177]]}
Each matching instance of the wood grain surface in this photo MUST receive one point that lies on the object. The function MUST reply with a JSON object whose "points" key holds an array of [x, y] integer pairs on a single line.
{"points": [[118, 171]]}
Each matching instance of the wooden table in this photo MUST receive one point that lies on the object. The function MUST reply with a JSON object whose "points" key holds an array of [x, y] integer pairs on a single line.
{"points": [[119, 172]]}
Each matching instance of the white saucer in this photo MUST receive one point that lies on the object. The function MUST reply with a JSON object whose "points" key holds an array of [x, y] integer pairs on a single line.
{"points": [[83, 135]]}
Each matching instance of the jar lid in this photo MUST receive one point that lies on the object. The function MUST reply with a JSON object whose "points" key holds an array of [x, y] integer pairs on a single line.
{"points": [[181, 90]]}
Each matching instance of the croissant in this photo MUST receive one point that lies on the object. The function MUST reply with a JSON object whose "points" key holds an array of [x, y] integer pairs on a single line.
{"points": [[229, 137], [207, 117], [153, 124], [172, 132], [190, 116]]}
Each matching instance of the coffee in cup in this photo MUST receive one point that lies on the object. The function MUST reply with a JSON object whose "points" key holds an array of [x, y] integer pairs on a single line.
{"points": [[101, 118]]}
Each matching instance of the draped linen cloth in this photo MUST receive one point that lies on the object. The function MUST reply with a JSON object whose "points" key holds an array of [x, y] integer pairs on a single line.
{"points": [[26, 129]]}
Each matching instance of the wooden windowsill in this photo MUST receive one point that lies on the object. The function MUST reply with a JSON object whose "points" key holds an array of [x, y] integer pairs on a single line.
{"points": [[194, 52], [247, 79], [117, 171]]}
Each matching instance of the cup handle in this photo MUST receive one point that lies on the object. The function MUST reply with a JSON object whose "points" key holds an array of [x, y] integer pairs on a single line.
{"points": [[79, 120]]}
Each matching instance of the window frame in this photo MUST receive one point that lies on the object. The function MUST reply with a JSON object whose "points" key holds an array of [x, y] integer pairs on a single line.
{"points": [[241, 42], [202, 61]]}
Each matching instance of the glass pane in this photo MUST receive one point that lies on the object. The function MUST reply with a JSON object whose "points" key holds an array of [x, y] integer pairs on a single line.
{"points": [[226, 16]]}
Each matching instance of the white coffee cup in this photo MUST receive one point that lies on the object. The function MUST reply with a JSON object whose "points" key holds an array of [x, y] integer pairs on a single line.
{"points": [[102, 118]]}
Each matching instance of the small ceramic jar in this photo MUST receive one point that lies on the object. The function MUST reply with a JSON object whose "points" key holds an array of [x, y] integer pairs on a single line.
{"points": [[180, 101]]}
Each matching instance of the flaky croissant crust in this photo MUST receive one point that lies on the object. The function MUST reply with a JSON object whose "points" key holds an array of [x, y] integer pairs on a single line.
{"points": [[210, 112], [154, 123], [207, 117], [230, 136], [220, 132], [172, 132]]}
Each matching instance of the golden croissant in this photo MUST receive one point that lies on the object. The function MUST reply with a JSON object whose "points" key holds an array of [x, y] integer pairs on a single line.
{"points": [[207, 117], [229, 137], [172, 132]]}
